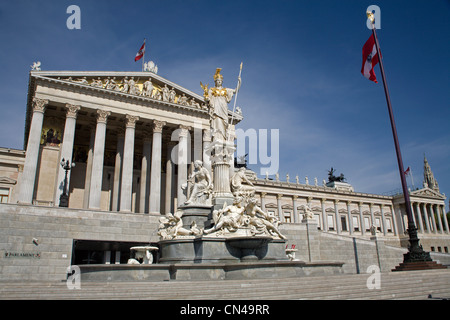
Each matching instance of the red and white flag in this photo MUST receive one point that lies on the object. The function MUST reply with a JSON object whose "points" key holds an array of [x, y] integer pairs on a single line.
{"points": [[407, 171], [140, 53], [370, 59]]}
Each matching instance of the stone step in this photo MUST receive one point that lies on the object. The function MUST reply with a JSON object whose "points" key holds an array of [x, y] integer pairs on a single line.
{"points": [[423, 265], [398, 285]]}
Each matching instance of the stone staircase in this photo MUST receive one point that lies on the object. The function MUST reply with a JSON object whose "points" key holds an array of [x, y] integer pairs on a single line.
{"points": [[394, 285]]}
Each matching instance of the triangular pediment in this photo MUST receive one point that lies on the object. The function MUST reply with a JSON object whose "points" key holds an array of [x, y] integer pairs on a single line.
{"points": [[143, 86], [427, 192]]}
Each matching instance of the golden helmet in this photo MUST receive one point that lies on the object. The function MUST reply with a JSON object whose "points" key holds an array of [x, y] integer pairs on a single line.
{"points": [[217, 75]]}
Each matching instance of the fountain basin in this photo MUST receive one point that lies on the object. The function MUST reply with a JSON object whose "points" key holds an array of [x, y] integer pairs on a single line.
{"points": [[221, 250], [249, 248]]}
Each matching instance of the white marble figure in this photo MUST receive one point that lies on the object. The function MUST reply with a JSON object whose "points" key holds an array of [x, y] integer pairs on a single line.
{"points": [[218, 98], [244, 214], [308, 212], [260, 221], [171, 227], [111, 83], [165, 93], [151, 67], [201, 185], [82, 81], [172, 95], [132, 86], [229, 217], [237, 186], [36, 66], [193, 103], [147, 88], [125, 86]]}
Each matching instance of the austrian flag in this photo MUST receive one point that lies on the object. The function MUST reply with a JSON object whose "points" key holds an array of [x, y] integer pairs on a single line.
{"points": [[141, 52], [370, 59]]}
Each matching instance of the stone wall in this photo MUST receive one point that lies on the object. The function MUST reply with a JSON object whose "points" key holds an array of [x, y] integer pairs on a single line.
{"points": [[54, 230]]}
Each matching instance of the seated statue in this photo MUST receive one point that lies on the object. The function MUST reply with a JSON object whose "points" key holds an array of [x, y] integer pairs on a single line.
{"points": [[201, 186], [261, 221], [171, 226], [229, 217], [237, 186]]}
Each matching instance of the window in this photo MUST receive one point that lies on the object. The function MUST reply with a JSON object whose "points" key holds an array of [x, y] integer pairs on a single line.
{"points": [[330, 222], [4, 195], [378, 224], [344, 223], [355, 223], [367, 223], [287, 216], [388, 225]]}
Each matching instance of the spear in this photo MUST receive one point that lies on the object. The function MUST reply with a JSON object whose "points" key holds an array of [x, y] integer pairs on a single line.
{"points": [[235, 98]]}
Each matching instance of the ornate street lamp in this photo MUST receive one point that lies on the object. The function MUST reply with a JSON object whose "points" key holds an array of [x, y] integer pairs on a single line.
{"points": [[64, 198]]}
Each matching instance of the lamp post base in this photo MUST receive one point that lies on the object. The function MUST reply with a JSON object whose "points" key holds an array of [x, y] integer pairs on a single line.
{"points": [[64, 201], [416, 258]]}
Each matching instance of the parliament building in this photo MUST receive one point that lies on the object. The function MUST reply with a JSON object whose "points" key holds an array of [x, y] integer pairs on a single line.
{"points": [[121, 145]]}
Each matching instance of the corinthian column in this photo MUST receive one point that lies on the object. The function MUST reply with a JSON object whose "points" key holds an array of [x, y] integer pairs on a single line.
{"points": [[155, 175], [66, 149], [145, 173], [32, 152], [127, 167], [95, 191]]}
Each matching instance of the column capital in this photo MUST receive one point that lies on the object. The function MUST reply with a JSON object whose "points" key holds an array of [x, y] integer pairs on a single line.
{"points": [[184, 130], [102, 116], [294, 197], [279, 196], [131, 121], [263, 194], [39, 105], [158, 126], [72, 110], [349, 202], [336, 201]]}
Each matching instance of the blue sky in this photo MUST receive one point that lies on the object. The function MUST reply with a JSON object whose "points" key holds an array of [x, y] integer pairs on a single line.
{"points": [[301, 75]]}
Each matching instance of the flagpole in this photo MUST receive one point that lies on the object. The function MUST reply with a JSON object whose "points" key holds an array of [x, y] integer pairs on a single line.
{"points": [[143, 57], [415, 250]]}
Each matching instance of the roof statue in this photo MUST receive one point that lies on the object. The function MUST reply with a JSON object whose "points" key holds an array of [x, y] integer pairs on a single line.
{"points": [[333, 178], [36, 66], [428, 177]]}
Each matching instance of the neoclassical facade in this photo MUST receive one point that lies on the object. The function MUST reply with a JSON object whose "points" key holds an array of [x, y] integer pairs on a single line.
{"points": [[133, 137]]}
